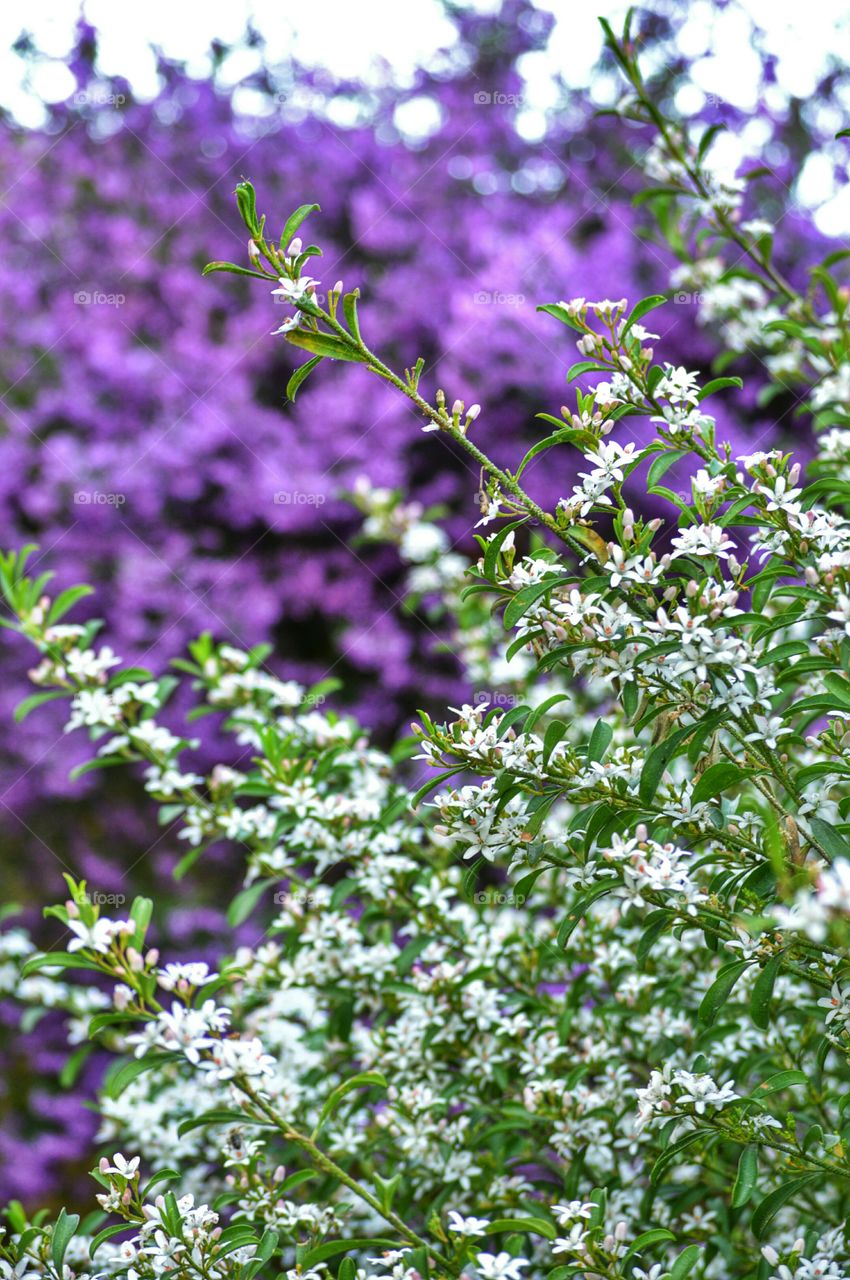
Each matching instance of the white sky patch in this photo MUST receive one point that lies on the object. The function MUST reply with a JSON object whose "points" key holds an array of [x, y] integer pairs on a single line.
{"points": [[382, 41]]}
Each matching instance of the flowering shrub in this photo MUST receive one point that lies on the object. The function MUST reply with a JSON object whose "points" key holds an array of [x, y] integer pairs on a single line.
{"points": [[577, 1007], [148, 447]]}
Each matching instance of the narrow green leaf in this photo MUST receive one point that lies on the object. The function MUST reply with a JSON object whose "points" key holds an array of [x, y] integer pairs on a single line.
{"points": [[63, 1233], [363, 1080], [641, 308], [324, 344], [719, 991], [771, 1204], [245, 901], [763, 992], [685, 1263], [717, 778], [300, 376], [293, 222], [745, 1182]]}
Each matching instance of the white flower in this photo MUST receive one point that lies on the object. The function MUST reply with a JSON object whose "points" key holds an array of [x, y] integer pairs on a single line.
{"points": [[838, 1005], [120, 1165], [97, 936], [500, 1266], [180, 977], [467, 1226], [703, 540]]}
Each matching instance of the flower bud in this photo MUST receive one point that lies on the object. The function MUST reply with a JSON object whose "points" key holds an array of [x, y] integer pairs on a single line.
{"points": [[294, 248]]}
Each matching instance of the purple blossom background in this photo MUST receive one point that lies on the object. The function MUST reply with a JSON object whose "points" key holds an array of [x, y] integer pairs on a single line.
{"points": [[148, 448]]}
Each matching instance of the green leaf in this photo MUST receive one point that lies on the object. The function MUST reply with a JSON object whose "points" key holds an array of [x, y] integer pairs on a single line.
{"points": [[829, 838], [29, 704], [771, 1204], [781, 1080], [234, 270], [685, 1263], [293, 222], [584, 366], [245, 901], [641, 308], [536, 1226], [719, 991], [300, 375], [600, 741], [332, 1247], [349, 310], [571, 921], [63, 1233], [663, 464], [657, 761], [363, 1079], [655, 1236], [347, 1270], [525, 598], [717, 778], [745, 1182], [494, 546], [66, 600], [127, 1072], [763, 992], [209, 1117], [718, 384], [839, 688], [106, 1234], [57, 960], [656, 924], [324, 344]]}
